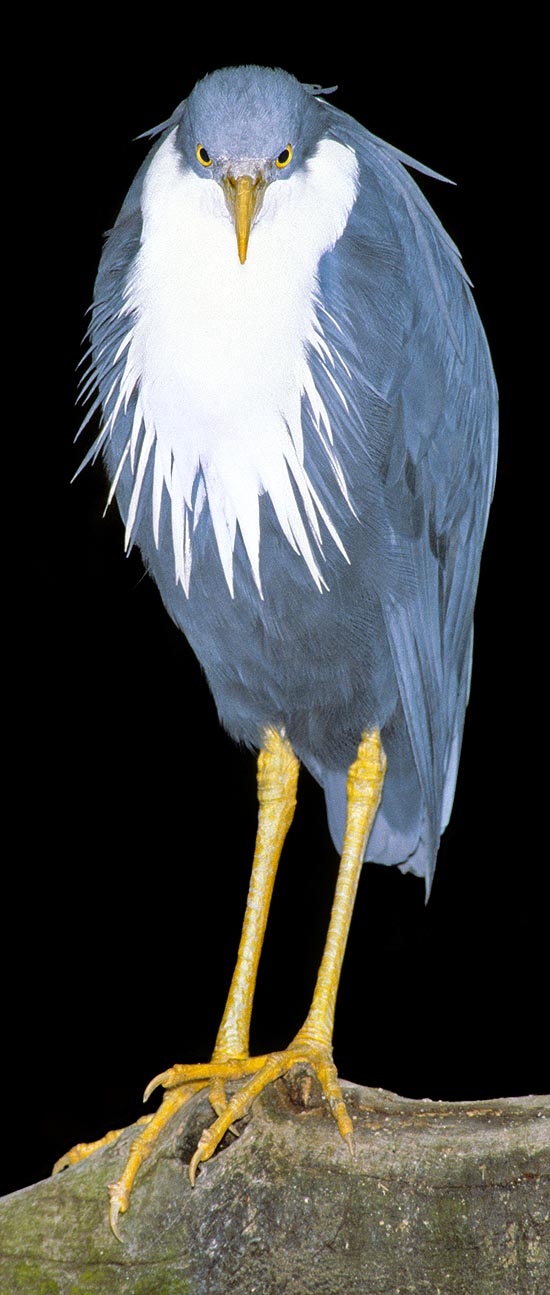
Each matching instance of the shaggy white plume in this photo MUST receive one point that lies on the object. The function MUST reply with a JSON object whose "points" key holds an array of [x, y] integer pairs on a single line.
{"points": [[217, 355]]}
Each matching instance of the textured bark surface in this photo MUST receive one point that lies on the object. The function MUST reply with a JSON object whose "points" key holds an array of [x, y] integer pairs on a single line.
{"points": [[442, 1199]]}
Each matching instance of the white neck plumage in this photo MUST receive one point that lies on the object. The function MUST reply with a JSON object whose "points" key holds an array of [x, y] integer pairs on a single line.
{"points": [[217, 354]]}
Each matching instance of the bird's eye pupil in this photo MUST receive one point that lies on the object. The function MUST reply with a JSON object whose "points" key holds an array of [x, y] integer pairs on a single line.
{"points": [[285, 157], [203, 156]]}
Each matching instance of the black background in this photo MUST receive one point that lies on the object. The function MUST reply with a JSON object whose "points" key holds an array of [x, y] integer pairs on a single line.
{"points": [[130, 816]]}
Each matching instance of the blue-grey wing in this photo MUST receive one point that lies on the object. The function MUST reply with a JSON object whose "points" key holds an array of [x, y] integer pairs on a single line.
{"points": [[431, 441], [430, 628]]}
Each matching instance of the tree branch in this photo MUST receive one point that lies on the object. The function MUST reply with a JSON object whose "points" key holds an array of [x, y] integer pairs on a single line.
{"points": [[442, 1197]]}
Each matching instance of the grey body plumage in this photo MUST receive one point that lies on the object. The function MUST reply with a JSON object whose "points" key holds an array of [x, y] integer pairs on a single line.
{"points": [[375, 627]]}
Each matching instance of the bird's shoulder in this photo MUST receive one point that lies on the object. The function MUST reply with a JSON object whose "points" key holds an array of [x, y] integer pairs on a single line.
{"points": [[409, 329]]}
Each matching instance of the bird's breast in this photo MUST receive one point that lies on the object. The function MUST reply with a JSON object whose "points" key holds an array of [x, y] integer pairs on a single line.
{"points": [[219, 353]]}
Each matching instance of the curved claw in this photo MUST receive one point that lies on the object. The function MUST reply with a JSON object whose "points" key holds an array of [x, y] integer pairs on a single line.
{"points": [[119, 1197], [157, 1082], [217, 1070], [198, 1156], [178, 1075], [70, 1158], [350, 1143]]}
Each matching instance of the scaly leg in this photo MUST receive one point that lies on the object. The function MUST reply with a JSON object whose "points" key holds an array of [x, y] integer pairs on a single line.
{"points": [[313, 1043], [277, 776], [277, 779]]}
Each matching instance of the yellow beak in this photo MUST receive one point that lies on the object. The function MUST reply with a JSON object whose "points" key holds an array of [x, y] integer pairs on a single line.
{"points": [[244, 198]]}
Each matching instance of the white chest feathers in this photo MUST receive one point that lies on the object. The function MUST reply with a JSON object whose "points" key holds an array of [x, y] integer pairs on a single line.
{"points": [[217, 354]]}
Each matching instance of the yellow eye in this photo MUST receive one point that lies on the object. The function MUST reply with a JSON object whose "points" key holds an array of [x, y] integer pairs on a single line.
{"points": [[284, 158], [203, 156]]}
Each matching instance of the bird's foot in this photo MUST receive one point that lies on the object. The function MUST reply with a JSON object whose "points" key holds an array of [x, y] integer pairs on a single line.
{"points": [[142, 1146], [181, 1082], [140, 1149], [258, 1072], [84, 1149], [118, 1192]]}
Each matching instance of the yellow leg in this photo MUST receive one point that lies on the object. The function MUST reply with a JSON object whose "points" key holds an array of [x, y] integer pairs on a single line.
{"points": [[277, 779], [364, 792], [313, 1043]]}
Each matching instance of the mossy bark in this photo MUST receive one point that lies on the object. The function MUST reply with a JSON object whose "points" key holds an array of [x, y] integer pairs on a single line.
{"points": [[449, 1198]]}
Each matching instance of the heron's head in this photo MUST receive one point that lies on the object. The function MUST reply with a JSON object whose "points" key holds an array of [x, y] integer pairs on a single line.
{"points": [[245, 129]]}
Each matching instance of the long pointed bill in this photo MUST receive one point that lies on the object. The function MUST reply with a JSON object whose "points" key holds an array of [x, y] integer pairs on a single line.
{"points": [[244, 199]]}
